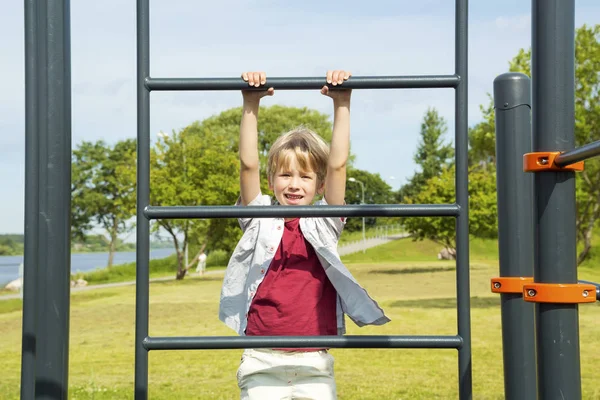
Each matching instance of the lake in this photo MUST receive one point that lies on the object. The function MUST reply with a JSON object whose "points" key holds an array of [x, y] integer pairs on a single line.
{"points": [[80, 262]]}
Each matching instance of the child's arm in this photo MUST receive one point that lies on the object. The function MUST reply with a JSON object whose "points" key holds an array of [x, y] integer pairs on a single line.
{"points": [[249, 163], [335, 183]]}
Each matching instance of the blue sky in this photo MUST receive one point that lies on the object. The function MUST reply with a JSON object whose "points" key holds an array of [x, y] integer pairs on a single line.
{"points": [[209, 39]]}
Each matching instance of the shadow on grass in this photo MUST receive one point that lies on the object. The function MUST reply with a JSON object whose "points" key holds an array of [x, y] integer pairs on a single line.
{"points": [[188, 281], [413, 270], [476, 302]]}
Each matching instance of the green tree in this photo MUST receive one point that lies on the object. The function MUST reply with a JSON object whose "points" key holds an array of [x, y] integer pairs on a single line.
{"points": [[194, 167], [103, 190], [377, 191], [587, 128], [11, 244], [272, 122], [433, 155], [214, 178], [482, 137], [441, 190]]}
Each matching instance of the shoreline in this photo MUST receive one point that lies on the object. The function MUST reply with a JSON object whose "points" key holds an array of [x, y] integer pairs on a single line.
{"points": [[119, 284]]}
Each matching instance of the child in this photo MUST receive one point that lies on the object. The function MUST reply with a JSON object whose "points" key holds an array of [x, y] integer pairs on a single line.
{"points": [[285, 277]]}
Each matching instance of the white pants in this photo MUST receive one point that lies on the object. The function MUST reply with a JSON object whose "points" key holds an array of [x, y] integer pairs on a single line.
{"points": [[266, 374]]}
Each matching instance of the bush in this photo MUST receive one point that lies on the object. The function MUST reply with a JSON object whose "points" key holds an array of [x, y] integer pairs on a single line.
{"points": [[217, 258], [126, 272]]}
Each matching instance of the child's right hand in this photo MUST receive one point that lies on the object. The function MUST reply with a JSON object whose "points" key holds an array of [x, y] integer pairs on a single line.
{"points": [[256, 79]]}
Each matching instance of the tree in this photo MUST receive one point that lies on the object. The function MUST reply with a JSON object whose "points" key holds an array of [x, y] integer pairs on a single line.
{"points": [[103, 190], [482, 137], [433, 155], [587, 128], [272, 122], [440, 189], [199, 166], [377, 191], [194, 167]]}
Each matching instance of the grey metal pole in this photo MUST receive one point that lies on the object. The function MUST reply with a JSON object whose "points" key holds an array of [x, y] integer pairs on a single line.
{"points": [[30, 274], [579, 154], [142, 301], [52, 121], [553, 83], [512, 104], [465, 376], [349, 210], [305, 83], [347, 342]]}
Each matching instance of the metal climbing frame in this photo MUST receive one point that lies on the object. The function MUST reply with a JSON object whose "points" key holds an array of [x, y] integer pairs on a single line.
{"points": [[539, 289], [44, 371], [459, 210]]}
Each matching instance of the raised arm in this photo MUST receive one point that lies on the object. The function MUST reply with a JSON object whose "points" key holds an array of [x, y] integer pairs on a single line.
{"points": [[335, 183], [249, 162]]}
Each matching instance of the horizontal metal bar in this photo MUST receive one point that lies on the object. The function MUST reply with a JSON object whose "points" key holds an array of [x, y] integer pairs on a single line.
{"points": [[597, 287], [355, 82], [347, 342], [579, 154], [351, 210]]}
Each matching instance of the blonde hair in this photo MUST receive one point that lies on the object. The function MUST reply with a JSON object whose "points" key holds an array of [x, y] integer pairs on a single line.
{"points": [[309, 149]]}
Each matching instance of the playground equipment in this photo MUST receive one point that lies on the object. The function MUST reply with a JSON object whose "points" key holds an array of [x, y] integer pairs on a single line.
{"points": [[536, 213], [45, 353]]}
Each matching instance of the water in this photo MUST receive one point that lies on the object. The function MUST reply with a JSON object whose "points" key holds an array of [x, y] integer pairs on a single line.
{"points": [[80, 262]]}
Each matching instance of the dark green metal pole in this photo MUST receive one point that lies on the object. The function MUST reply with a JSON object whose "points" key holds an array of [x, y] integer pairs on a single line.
{"points": [[512, 104], [48, 48], [465, 378], [553, 82], [142, 300], [32, 149]]}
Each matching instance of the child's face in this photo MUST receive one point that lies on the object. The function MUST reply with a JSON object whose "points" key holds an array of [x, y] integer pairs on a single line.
{"points": [[293, 187]]}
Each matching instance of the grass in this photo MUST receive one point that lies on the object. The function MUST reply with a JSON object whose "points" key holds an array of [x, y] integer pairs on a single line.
{"points": [[421, 250], [350, 237], [159, 268], [418, 294]]}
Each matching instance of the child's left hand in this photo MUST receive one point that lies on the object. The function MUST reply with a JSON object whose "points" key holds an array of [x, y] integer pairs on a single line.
{"points": [[335, 78]]}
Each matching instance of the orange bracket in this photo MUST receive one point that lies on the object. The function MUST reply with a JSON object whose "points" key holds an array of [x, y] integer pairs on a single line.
{"points": [[507, 284], [544, 161], [559, 293]]}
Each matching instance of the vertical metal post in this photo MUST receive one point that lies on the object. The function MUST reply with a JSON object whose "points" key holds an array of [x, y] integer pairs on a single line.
{"points": [[45, 358], [143, 200], [465, 385], [553, 82], [28, 343], [512, 103]]}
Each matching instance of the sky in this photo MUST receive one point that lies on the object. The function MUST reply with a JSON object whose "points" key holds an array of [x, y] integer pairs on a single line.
{"points": [[189, 38]]}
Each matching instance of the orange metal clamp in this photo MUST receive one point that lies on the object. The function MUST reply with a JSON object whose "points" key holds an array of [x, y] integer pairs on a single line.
{"points": [[559, 293], [508, 284], [544, 161]]}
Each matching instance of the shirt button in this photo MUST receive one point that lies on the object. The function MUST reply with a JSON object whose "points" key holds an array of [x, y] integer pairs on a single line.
{"points": [[251, 294], [271, 249], [262, 271], [279, 228]]}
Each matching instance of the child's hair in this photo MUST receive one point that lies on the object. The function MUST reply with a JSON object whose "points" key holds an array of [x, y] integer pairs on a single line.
{"points": [[310, 150]]}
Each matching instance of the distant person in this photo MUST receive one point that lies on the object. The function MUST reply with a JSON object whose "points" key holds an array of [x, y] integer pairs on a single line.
{"points": [[285, 277], [201, 268]]}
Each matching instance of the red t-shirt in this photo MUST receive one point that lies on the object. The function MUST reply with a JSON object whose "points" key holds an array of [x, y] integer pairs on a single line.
{"points": [[295, 298]]}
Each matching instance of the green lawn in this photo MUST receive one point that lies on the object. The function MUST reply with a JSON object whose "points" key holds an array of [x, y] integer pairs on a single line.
{"points": [[418, 295]]}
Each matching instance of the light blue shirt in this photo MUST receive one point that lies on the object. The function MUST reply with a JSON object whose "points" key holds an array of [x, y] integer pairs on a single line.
{"points": [[255, 251]]}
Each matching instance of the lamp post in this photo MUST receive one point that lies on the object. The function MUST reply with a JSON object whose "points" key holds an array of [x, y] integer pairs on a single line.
{"points": [[362, 189]]}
